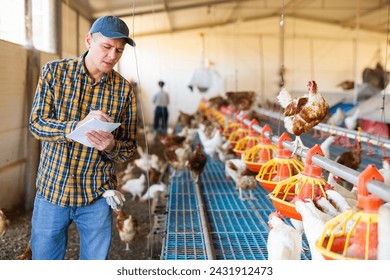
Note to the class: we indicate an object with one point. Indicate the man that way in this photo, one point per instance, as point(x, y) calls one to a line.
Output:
point(161, 100)
point(76, 183)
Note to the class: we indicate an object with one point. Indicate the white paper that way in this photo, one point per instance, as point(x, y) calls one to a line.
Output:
point(79, 134)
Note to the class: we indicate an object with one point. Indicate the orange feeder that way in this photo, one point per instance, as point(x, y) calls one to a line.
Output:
point(261, 153)
point(252, 139)
point(309, 183)
point(202, 106)
point(232, 125)
point(214, 115)
point(238, 134)
point(353, 235)
point(281, 167)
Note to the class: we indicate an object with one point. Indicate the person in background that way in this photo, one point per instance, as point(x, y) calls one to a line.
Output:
point(76, 183)
point(161, 114)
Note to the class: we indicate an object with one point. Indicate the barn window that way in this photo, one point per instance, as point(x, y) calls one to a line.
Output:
point(12, 24)
point(43, 25)
point(15, 26)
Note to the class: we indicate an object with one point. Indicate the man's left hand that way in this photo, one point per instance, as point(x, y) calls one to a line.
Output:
point(115, 199)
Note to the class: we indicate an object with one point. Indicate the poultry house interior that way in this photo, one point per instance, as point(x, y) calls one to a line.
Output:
point(276, 145)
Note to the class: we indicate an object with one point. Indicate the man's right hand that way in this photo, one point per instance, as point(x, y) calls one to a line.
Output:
point(95, 114)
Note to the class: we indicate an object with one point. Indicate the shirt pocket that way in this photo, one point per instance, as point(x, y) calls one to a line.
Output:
point(65, 100)
point(114, 106)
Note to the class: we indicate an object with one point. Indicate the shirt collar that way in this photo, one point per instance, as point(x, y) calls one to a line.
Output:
point(82, 70)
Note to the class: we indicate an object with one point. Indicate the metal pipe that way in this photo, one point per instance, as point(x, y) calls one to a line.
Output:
point(364, 137)
point(205, 224)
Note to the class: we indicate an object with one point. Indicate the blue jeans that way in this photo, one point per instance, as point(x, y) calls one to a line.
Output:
point(161, 115)
point(50, 223)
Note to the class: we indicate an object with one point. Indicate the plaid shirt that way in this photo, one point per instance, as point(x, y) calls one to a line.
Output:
point(69, 173)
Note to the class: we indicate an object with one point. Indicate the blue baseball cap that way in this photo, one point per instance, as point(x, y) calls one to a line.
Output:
point(112, 27)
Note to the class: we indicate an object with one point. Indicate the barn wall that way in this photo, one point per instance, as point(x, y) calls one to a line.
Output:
point(13, 125)
point(69, 32)
point(247, 56)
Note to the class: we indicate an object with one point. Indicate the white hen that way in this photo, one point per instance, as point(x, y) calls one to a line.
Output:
point(313, 224)
point(340, 189)
point(225, 151)
point(351, 121)
point(325, 146)
point(385, 170)
point(210, 144)
point(146, 161)
point(337, 118)
point(232, 167)
point(284, 241)
point(384, 232)
point(154, 191)
point(341, 203)
point(327, 207)
point(135, 186)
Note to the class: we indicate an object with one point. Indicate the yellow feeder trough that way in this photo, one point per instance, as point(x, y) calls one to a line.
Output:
point(232, 125)
point(214, 115)
point(238, 134)
point(353, 235)
point(203, 106)
point(261, 153)
point(252, 139)
point(309, 183)
point(281, 167)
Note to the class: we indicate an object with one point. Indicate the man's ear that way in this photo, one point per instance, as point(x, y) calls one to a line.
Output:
point(88, 40)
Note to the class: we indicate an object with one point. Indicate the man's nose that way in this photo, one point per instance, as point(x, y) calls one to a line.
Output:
point(113, 54)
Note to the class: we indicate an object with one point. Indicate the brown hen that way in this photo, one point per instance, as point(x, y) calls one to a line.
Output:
point(4, 222)
point(241, 100)
point(197, 162)
point(127, 227)
point(302, 114)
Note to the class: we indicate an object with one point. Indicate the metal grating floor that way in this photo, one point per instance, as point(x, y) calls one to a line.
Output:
point(238, 229)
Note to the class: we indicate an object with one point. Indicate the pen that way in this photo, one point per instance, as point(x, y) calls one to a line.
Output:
point(90, 107)
point(94, 109)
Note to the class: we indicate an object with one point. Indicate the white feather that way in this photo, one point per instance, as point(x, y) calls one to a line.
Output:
point(284, 98)
point(135, 186)
point(384, 232)
point(337, 118)
point(325, 146)
point(284, 241)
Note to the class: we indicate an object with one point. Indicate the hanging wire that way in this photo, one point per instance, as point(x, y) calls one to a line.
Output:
point(282, 46)
point(281, 85)
point(261, 62)
point(385, 75)
point(139, 99)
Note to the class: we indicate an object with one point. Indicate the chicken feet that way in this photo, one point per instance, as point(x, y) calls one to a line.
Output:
point(297, 143)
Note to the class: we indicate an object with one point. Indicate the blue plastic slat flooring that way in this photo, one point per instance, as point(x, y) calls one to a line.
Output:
point(238, 229)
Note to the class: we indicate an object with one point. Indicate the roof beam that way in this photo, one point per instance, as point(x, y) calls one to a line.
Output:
point(351, 22)
point(166, 8)
point(234, 11)
point(122, 13)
